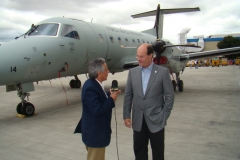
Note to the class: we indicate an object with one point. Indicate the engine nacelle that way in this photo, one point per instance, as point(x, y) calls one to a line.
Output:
point(163, 60)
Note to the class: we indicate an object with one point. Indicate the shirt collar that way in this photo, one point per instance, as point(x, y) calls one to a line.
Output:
point(99, 82)
point(148, 68)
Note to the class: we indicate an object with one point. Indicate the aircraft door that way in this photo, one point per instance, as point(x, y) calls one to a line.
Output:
point(102, 46)
point(73, 48)
point(91, 41)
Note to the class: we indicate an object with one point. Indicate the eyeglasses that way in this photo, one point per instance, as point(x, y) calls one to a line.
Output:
point(140, 57)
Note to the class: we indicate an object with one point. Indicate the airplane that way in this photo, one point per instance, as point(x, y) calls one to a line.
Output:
point(61, 47)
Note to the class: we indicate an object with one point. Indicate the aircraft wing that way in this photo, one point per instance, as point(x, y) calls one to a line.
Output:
point(212, 53)
point(195, 55)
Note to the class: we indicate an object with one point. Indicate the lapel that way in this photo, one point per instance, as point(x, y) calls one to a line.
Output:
point(99, 87)
point(151, 78)
point(139, 82)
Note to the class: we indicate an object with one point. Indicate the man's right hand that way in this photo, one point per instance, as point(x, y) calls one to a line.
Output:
point(128, 122)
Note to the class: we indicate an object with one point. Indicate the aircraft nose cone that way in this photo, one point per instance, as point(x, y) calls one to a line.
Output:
point(9, 62)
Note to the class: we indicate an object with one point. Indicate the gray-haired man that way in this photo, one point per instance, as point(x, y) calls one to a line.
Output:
point(95, 123)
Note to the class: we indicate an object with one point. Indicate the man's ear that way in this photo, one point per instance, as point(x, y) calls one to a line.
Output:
point(98, 74)
point(152, 55)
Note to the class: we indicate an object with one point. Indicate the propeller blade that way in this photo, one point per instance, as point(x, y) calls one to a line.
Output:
point(182, 45)
point(122, 46)
point(157, 20)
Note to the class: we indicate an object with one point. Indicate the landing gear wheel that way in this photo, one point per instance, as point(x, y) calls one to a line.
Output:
point(78, 84)
point(72, 83)
point(174, 85)
point(180, 85)
point(28, 109)
point(19, 108)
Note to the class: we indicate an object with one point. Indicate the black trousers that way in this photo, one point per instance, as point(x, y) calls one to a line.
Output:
point(141, 140)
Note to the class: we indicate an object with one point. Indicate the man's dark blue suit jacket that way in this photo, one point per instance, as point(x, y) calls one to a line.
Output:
point(95, 123)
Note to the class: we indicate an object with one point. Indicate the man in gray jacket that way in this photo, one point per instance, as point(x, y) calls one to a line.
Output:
point(149, 95)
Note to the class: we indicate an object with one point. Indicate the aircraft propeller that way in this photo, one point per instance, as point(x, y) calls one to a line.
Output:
point(159, 47)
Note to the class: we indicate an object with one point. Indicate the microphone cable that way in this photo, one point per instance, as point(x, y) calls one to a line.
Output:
point(114, 87)
point(116, 131)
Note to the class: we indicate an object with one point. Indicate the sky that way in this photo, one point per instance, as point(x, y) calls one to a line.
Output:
point(215, 17)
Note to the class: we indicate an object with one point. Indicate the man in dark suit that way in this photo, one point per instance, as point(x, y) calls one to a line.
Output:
point(149, 94)
point(95, 123)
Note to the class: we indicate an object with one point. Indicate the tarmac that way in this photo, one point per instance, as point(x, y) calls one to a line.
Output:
point(204, 123)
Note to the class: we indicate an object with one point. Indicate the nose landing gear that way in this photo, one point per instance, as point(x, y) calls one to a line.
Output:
point(24, 108)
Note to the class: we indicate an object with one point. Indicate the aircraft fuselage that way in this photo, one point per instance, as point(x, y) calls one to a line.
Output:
point(61, 47)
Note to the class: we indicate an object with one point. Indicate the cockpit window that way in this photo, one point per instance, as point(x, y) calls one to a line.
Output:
point(69, 31)
point(48, 29)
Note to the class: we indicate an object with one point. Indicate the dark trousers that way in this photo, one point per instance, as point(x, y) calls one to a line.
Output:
point(141, 140)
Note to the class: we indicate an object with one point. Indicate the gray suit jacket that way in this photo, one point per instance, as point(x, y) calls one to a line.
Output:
point(156, 104)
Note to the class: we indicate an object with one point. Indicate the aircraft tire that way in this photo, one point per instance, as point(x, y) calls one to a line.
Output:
point(72, 83)
point(19, 108)
point(180, 85)
point(174, 85)
point(78, 84)
point(28, 109)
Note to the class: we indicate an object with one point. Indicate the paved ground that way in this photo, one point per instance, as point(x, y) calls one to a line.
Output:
point(204, 124)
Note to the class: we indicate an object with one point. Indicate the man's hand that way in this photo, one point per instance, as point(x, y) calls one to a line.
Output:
point(114, 94)
point(128, 122)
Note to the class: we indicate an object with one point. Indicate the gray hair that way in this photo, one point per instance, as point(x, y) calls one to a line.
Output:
point(95, 66)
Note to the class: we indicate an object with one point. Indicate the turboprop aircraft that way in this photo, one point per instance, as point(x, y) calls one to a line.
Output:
point(60, 47)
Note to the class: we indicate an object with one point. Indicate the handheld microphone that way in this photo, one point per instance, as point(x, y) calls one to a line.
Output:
point(114, 86)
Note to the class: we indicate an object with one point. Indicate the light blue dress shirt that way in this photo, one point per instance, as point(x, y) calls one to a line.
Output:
point(145, 77)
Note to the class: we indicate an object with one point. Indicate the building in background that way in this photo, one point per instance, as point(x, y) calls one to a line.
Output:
point(210, 42)
point(206, 44)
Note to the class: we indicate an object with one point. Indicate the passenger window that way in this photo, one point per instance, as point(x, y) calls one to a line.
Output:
point(111, 39)
point(133, 40)
point(69, 31)
point(119, 40)
point(143, 41)
point(138, 40)
point(126, 40)
point(100, 38)
point(48, 29)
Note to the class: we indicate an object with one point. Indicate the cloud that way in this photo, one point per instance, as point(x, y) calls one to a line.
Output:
point(215, 17)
